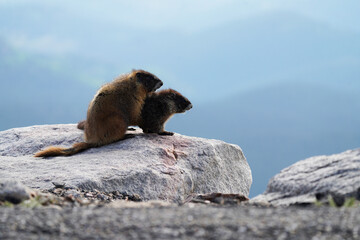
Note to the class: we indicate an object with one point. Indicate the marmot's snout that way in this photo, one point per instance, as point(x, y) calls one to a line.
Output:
point(189, 107)
point(158, 85)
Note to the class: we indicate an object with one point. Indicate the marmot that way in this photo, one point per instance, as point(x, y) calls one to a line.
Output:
point(158, 108)
point(114, 107)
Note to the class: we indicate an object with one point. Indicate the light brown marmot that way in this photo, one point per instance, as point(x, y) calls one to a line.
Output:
point(114, 107)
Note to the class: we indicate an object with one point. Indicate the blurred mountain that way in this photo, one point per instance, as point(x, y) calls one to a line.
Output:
point(243, 54)
point(39, 90)
point(278, 125)
point(281, 85)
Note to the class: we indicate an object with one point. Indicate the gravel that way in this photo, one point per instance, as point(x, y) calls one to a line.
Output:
point(191, 221)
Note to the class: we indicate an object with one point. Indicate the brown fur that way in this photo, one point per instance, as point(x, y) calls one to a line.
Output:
point(115, 106)
point(81, 125)
point(57, 151)
point(159, 107)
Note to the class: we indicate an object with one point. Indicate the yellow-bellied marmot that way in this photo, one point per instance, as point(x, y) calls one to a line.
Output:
point(159, 107)
point(115, 106)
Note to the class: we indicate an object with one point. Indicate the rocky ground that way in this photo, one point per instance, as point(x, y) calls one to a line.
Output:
point(71, 213)
point(103, 193)
point(169, 221)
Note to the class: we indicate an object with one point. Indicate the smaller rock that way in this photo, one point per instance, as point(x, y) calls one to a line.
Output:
point(14, 191)
point(89, 195)
point(59, 184)
point(102, 197)
point(135, 198)
point(58, 191)
point(314, 179)
point(217, 198)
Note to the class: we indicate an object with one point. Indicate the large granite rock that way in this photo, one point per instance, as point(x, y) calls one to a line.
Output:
point(308, 180)
point(153, 166)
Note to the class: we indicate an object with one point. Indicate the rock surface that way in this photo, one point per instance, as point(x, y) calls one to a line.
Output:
point(187, 222)
point(301, 183)
point(153, 166)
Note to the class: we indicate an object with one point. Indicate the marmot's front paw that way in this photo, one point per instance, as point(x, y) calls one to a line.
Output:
point(166, 133)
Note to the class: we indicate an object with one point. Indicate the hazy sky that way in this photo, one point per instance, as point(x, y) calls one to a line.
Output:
point(185, 16)
point(193, 44)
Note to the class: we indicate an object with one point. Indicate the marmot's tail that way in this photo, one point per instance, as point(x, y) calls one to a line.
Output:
point(57, 151)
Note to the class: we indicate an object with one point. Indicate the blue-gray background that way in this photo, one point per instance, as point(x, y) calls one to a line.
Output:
point(279, 78)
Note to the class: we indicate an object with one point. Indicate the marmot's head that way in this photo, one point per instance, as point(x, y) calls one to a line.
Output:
point(180, 103)
point(148, 80)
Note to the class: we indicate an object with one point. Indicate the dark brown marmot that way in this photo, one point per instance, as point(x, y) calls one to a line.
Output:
point(160, 107)
point(114, 107)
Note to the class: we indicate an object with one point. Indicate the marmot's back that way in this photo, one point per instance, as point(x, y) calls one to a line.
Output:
point(118, 105)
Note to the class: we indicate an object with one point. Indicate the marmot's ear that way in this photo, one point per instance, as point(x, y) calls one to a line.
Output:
point(138, 76)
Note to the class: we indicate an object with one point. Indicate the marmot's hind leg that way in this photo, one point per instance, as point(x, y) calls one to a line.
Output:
point(81, 125)
point(109, 130)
